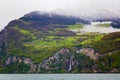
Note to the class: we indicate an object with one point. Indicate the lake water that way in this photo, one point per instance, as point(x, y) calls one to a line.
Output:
point(59, 76)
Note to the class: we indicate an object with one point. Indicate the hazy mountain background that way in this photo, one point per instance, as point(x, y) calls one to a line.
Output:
point(86, 9)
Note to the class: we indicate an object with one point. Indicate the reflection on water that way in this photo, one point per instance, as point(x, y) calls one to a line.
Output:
point(59, 76)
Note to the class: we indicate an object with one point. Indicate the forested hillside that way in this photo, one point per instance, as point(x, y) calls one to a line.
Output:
point(45, 43)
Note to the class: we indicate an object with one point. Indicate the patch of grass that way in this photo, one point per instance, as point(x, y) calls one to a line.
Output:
point(99, 37)
point(75, 26)
point(38, 50)
point(25, 32)
point(104, 25)
point(92, 38)
point(51, 41)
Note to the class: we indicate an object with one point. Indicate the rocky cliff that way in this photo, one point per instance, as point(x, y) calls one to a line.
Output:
point(89, 52)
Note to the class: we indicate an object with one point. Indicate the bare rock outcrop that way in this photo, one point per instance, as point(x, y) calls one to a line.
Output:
point(15, 59)
point(63, 59)
point(89, 52)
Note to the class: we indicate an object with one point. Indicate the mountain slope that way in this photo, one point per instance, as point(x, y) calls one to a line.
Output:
point(43, 43)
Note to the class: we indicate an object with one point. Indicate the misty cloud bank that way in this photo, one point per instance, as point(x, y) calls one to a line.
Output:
point(13, 9)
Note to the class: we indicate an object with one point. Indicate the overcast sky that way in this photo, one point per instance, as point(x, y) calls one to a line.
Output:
point(13, 9)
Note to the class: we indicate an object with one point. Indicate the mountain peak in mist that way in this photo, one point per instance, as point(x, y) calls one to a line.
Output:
point(36, 13)
point(90, 14)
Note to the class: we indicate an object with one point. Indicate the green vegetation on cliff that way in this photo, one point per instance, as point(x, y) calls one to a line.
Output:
point(108, 43)
point(104, 25)
point(45, 39)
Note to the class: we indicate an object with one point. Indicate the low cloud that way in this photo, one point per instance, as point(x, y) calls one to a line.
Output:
point(12, 9)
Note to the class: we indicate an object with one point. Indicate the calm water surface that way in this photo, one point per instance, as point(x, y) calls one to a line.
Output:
point(59, 76)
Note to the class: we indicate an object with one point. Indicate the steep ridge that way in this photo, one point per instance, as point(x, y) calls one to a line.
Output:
point(42, 43)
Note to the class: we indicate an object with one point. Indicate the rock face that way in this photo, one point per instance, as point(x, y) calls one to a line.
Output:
point(62, 59)
point(14, 59)
point(114, 70)
point(89, 52)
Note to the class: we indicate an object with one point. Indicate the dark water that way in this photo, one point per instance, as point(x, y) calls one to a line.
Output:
point(59, 76)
